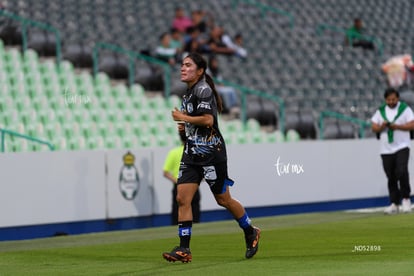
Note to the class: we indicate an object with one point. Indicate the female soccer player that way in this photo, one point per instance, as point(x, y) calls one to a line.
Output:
point(204, 156)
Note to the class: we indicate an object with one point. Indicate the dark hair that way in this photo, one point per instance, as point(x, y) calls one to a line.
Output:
point(161, 37)
point(182, 136)
point(201, 63)
point(214, 70)
point(390, 91)
point(238, 35)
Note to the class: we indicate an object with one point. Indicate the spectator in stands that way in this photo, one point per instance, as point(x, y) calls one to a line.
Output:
point(181, 22)
point(236, 44)
point(202, 20)
point(393, 121)
point(170, 171)
point(164, 51)
point(398, 70)
point(355, 36)
point(194, 42)
point(9, 32)
point(216, 44)
point(177, 42)
point(229, 94)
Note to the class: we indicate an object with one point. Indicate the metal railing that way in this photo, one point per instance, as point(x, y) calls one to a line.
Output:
point(248, 91)
point(264, 9)
point(132, 56)
point(27, 22)
point(3, 133)
point(321, 28)
point(362, 124)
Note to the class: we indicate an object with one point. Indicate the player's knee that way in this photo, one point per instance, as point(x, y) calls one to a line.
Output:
point(179, 200)
point(224, 202)
point(182, 200)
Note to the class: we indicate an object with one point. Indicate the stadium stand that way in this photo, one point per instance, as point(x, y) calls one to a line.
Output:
point(311, 70)
point(74, 112)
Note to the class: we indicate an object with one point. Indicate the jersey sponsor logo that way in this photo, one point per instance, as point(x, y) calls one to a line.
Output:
point(204, 105)
point(200, 145)
point(190, 108)
point(210, 173)
point(204, 141)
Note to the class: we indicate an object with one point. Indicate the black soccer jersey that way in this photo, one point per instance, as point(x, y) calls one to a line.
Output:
point(204, 145)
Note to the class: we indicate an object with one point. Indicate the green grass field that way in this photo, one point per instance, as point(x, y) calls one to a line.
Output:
point(333, 243)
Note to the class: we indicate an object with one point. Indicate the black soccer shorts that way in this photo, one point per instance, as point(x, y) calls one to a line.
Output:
point(215, 175)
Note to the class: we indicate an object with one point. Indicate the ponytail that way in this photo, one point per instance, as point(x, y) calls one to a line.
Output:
point(219, 101)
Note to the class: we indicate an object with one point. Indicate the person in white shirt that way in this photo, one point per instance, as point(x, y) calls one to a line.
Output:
point(393, 122)
point(164, 51)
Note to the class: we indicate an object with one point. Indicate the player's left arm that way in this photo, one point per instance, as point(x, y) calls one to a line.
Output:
point(200, 120)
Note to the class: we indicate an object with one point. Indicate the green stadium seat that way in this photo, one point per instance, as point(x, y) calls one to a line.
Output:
point(102, 89)
point(128, 114)
point(275, 137)
point(144, 140)
point(170, 128)
point(102, 79)
point(253, 125)
point(31, 58)
point(106, 129)
point(95, 142)
point(137, 129)
point(174, 101)
point(119, 91)
point(94, 114)
point(60, 143)
point(81, 142)
point(127, 142)
point(21, 128)
point(163, 140)
point(233, 126)
point(12, 58)
point(241, 138)
point(257, 137)
point(73, 143)
point(292, 135)
point(54, 130)
point(32, 78)
point(89, 129)
point(23, 145)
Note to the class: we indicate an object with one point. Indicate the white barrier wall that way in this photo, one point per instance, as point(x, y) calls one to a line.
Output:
point(51, 187)
point(307, 171)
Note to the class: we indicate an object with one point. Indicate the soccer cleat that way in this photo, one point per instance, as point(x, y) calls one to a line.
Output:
point(406, 205)
point(252, 243)
point(178, 254)
point(392, 209)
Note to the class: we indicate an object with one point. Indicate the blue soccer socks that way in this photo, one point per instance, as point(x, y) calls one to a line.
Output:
point(245, 224)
